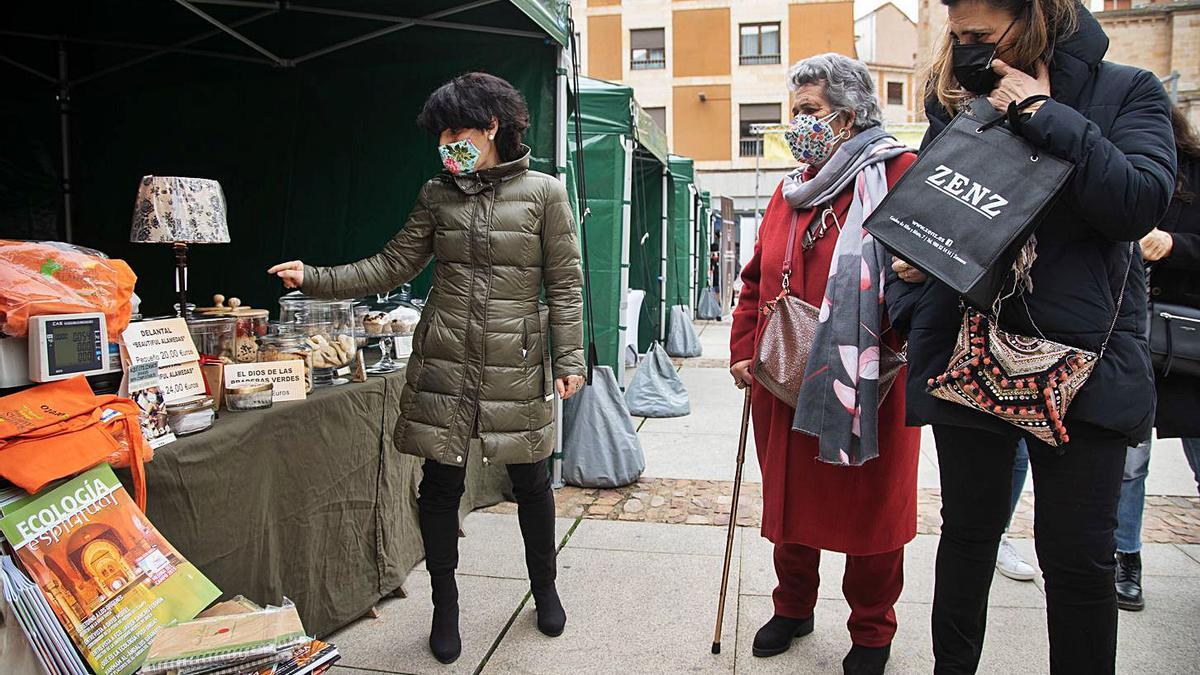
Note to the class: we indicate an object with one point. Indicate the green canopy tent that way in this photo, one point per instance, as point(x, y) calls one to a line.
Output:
point(704, 236)
point(625, 155)
point(681, 242)
point(304, 111)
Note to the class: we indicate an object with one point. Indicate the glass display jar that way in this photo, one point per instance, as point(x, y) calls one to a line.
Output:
point(288, 346)
point(215, 337)
point(328, 327)
point(252, 325)
point(191, 416)
point(249, 397)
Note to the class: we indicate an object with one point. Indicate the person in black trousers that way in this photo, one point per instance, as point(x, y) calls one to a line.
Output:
point(1113, 124)
point(1172, 251)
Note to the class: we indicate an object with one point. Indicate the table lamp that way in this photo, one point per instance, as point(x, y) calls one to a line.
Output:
point(179, 211)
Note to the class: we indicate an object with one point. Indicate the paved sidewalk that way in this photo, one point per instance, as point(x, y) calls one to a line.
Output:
point(639, 570)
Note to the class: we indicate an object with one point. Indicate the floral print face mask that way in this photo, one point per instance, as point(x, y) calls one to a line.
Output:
point(460, 156)
point(812, 139)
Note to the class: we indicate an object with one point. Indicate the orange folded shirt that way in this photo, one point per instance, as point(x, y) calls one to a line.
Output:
point(59, 429)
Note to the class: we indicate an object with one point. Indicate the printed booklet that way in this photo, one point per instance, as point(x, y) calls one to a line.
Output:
point(111, 579)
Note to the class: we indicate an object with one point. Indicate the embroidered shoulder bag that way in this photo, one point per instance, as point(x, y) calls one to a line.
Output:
point(1028, 382)
point(787, 340)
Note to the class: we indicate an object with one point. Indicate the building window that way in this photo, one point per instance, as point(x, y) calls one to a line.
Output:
point(647, 50)
point(751, 145)
point(659, 115)
point(760, 44)
point(895, 93)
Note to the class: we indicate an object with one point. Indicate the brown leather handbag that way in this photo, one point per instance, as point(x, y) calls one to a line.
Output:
point(787, 340)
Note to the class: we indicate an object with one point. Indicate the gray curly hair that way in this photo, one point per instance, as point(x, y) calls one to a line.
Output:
point(848, 86)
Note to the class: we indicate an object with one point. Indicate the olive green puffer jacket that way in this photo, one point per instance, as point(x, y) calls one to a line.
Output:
point(480, 375)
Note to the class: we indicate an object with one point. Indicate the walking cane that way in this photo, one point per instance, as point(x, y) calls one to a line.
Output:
point(733, 510)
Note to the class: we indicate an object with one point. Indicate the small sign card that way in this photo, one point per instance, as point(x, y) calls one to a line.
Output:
point(287, 376)
point(181, 382)
point(166, 342)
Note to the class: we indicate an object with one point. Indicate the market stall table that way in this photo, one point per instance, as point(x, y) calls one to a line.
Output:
point(308, 500)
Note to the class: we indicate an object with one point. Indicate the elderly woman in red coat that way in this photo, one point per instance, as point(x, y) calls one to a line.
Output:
point(845, 479)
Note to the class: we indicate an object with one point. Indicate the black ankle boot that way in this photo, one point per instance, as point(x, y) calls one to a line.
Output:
point(444, 640)
point(775, 637)
point(551, 617)
point(1129, 582)
point(866, 660)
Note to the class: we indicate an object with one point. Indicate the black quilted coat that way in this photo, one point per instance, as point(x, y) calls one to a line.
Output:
point(1113, 122)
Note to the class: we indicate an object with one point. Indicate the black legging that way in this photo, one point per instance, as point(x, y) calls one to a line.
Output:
point(439, 495)
point(1076, 489)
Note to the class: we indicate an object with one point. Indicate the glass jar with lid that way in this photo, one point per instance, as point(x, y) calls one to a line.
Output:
point(288, 346)
point(215, 337)
point(191, 416)
point(328, 326)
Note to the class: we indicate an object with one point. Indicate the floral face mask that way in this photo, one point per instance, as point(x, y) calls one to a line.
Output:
point(460, 156)
point(812, 139)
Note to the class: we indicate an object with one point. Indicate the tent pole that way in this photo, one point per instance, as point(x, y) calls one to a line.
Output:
point(233, 33)
point(692, 248)
point(662, 279)
point(400, 23)
point(626, 226)
point(21, 66)
point(131, 45)
point(64, 130)
point(560, 116)
point(168, 49)
point(560, 163)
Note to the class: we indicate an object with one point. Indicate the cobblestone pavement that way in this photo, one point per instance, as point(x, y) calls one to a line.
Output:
point(1168, 520)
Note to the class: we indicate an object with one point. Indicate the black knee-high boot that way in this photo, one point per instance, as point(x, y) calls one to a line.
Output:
point(535, 513)
point(439, 494)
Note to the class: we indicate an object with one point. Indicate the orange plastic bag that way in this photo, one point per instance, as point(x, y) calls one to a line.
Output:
point(46, 277)
point(59, 429)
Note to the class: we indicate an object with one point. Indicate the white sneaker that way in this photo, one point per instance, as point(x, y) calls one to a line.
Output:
point(1011, 564)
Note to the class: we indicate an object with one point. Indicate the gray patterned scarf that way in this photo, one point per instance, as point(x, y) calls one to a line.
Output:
point(839, 400)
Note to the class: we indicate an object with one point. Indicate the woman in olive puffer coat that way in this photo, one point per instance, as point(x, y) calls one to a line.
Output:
point(488, 356)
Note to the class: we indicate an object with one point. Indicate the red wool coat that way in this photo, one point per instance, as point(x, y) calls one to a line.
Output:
point(861, 510)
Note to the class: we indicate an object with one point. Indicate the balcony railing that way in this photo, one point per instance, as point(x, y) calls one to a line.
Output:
point(759, 59)
point(750, 147)
point(648, 64)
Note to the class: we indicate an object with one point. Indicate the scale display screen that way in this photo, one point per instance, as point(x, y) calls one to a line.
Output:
point(65, 345)
point(74, 346)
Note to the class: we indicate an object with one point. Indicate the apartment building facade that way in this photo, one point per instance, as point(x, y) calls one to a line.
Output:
point(707, 70)
point(886, 40)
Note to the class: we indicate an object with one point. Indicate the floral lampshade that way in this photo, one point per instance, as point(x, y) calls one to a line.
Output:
point(172, 209)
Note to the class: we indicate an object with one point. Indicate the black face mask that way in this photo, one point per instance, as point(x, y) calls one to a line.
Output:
point(973, 64)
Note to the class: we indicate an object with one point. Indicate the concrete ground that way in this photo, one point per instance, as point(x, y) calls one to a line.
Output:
point(641, 596)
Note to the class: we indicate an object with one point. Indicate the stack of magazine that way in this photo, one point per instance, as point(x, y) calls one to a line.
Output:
point(239, 638)
point(91, 580)
point(97, 590)
point(50, 642)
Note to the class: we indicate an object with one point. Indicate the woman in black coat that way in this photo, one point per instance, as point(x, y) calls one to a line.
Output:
point(1113, 123)
point(1172, 251)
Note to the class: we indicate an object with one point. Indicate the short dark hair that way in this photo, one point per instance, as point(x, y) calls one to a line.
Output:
point(470, 101)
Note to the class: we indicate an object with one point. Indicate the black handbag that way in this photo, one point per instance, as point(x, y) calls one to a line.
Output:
point(1175, 339)
point(963, 211)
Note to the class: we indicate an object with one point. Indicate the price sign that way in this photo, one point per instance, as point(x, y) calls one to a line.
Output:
point(181, 381)
point(286, 376)
point(403, 346)
point(166, 342)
